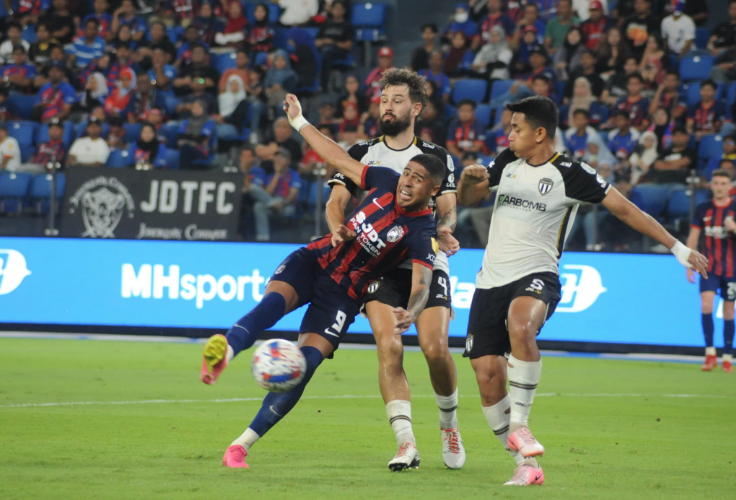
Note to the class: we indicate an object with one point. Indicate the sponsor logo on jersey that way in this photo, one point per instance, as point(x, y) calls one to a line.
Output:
point(566, 164)
point(545, 185)
point(13, 270)
point(280, 269)
point(428, 145)
point(430, 257)
point(450, 164)
point(373, 163)
point(581, 286)
point(513, 201)
point(395, 234)
point(367, 236)
point(511, 176)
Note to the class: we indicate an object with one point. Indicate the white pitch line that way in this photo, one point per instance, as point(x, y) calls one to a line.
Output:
point(344, 396)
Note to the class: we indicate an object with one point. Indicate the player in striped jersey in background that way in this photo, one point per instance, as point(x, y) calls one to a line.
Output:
point(715, 218)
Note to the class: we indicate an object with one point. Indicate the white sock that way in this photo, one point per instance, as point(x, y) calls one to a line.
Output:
point(728, 357)
point(710, 351)
point(230, 354)
point(498, 417)
point(523, 379)
point(247, 439)
point(399, 416)
point(448, 410)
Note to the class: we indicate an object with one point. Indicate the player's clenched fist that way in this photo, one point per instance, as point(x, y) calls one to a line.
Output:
point(474, 174)
point(341, 235)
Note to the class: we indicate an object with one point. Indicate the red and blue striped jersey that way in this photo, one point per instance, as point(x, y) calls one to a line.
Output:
point(719, 243)
point(387, 235)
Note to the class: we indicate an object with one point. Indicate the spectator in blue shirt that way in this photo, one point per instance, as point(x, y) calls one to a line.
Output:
point(126, 16)
point(465, 135)
point(88, 48)
point(19, 76)
point(197, 138)
point(530, 19)
point(461, 22)
point(103, 18)
point(623, 139)
point(282, 188)
point(436, 74)
point(191, 40)
point(255, 177)
point(147, 152)
point(161, 73)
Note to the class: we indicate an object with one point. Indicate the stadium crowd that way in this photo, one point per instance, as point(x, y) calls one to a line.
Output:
point(643, 90)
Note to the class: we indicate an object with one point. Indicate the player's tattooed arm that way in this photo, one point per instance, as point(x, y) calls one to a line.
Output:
point(447, 210)
point(421, 280)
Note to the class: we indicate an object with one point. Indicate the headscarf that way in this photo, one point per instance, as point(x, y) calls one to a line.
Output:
point(195, 124)
point(571, 49)
point(648, 155)
point(581, 102)
point(120, 96)
point(228, 100)
point(266, 20)
point(121, 90)
point(274, 76)
point(237, 24)
point(151, 147)
point(492, 51)
point(101, 89)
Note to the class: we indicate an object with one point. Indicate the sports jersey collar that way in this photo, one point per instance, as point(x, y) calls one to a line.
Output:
point(553, 158)
point(728, 202)
point(412, 143)
point(403, 212)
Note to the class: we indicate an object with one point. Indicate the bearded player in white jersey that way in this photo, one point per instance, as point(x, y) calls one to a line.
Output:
point(403, 96)
point(518, 287)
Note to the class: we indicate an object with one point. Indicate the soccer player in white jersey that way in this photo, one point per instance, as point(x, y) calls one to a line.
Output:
point(518, 287)
point(403, 96)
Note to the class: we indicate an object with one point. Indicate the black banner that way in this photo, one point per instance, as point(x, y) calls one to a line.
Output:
point(151, 204)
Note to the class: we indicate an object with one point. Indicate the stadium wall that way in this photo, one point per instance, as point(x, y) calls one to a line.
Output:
point(610, 302)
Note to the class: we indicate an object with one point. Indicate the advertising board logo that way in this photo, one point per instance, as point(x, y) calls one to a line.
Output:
point(13, 270)
point(103, 201)
point(581, 287)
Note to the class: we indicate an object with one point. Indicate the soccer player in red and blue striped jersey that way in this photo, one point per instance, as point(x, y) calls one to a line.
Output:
point(715, 218)
point(392, 224)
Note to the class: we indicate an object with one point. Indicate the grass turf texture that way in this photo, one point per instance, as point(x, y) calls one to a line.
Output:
point(647, 446)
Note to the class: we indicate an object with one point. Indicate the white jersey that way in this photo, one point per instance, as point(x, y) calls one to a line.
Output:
point(376, 153)
point(534, 212)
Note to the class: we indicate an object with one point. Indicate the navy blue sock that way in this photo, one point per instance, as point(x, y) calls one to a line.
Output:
point(245, 332)
point(728, 329)
point(277, 404)
point(708, 329)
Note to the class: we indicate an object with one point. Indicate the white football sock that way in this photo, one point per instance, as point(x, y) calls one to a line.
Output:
point(710, 351)
point(523, 379)
point(448, 410)
point(247, 439)
point(498, 417)
point(399, 416)
point(230, 354)
point(728, 357)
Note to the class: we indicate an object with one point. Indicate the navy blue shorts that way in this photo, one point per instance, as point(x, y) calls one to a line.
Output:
point(331, 310)
point(727, 286)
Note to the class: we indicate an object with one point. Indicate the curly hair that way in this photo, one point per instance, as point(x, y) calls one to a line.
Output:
point(417, 84)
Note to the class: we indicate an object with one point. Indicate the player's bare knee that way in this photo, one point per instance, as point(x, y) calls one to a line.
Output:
point(390, 349)
point(523, 331)
point(435, 352)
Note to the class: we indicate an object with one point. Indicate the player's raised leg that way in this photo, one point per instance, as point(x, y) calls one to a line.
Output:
point(432, 328)
point(525, 318)
point(728, 334)
point(276, 406)
point(393, 384)
point(706, 309)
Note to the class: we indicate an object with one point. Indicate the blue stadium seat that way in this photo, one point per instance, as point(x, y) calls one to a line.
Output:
point(497, 115)
point(171, 132)
point(450, 112)
point(171, 103)
point(13, 189)
point(24, 132)
point(702, 35)
point(483, 115)
point(132, 131)
point(312, 199)
point(174, 33)
point(692, 92)
point(710, 166)
point(41, 192)
point(29, 34)
point(696, 67)
point(652, 199)
point(500, 87)
point(225, 62)
point(42, 134)
point(710, 146)
point(119, 158)
point(27, 152)
point(679, 203)
point(368, 15)
point(474, 90)
point(21, 105)
point(261, 58)
point(173, 157)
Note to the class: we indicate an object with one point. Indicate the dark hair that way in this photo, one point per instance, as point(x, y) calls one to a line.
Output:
point(710, 83)
point(248, 147)
point(46, 25)
point(434, 29)
point(635, 75)
point(199, 45)
point(468, 102)
point(417, 84)
point(583, 112)
point(13, 24)
point(244, 51)
point(721, 172)
point(590, 53)
point(544, 78)
point(674, 71)
point(434, 166)
point(622, 112)
point(18, 48)
point(539, 112)
point(679, 129)
point(92, 20)
point(160, 23)
point(123, 45)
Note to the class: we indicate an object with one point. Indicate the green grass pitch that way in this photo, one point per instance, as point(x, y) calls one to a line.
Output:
point(612, 429)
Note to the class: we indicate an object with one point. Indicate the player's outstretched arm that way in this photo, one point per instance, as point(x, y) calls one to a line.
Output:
point(325, 147)
point(622, 208)
point(473, 184)
point(421, 279)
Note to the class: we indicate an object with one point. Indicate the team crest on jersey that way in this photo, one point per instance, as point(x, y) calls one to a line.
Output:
point(469, 343)
point(280, 269)
point(545, 185)
point(395, 234)
point(373, 287)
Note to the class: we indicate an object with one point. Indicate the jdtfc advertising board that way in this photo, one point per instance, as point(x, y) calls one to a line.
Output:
point(156, 204)
point(631, 299)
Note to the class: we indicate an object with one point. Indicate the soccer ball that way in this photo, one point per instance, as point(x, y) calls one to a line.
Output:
point(278, 365)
